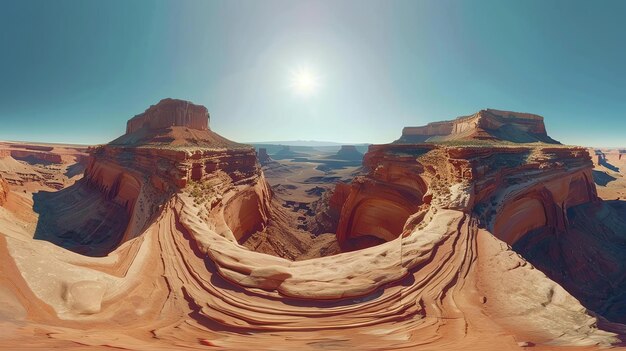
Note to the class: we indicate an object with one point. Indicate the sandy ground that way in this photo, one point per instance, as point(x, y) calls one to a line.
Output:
point(302, 181)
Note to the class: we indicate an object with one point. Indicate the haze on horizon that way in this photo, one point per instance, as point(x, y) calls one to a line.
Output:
point(351, 71)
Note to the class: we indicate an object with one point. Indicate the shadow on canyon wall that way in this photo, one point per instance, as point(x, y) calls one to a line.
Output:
point(34, 161)
point(588, 258)
point(601, 178)
point(74, 170)
point(79, 219)
point(604, 163)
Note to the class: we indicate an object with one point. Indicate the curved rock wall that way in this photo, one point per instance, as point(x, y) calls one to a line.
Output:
point(517, 190)
point(142, 179)
point(378, 205)
point(125, 188)
point(248, 210)
point(518, 218)
point(544, 204)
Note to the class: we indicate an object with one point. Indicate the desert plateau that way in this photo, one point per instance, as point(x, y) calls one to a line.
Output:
point(161, 189)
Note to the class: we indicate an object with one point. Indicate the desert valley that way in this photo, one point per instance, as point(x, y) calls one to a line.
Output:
point(481, 232)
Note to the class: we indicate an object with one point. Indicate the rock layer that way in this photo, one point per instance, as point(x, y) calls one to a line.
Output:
point(442, 276)
point(168, 113)
point(4, 191)
point(41, 167)
point(484, 125)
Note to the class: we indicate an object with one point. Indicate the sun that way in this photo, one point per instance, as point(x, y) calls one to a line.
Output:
point(304, 81)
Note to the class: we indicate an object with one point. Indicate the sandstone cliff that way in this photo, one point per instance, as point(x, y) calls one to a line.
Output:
point(489, 125)
point(142, 169)
point(173, 124)
point(168, 113)
point(36, 156)
point(4, 191)
point(434, 268)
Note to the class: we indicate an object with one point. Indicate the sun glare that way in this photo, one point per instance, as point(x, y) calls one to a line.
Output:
point(304, 81)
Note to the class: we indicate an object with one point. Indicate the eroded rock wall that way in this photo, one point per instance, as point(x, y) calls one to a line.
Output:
point(142, 179)
point(4, 191)
point(47, 157)
point(486, 124)
point(520, 189)
point(170, 112)
point(377, 205)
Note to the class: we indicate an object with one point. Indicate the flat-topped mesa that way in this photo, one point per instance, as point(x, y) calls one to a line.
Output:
point(489, 124)
point(170, 112)
point(348, 152)
point(166, 148)
point(172, 144)
point(173, 124)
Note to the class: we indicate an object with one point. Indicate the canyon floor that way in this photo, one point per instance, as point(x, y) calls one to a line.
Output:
point(175, 238)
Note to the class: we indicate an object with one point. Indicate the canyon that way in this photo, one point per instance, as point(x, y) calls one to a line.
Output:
point(481, 233)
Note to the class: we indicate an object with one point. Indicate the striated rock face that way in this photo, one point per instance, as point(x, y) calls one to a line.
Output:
point(140, 174)
point(168, 113)
point(380, 203)
point(403, 180)
point(484, 125)
point(139, 179)
point(171, 169)
point(35, 156)
point(435, 270)
point(4, 191)
point(516, 190)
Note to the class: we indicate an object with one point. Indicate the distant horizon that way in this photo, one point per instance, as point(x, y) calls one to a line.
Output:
point(74, 71)
point(330, 143)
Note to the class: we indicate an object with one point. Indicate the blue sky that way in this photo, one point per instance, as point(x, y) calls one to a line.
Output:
point(75, 71)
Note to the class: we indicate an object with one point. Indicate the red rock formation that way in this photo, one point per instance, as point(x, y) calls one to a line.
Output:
point(484, 125)
point(4, 191)
point(35, 156)
point(379, 204)
point(168, 113)
point(140, 170)
point(429, 130)
point(442, 276)
point(33, 147)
